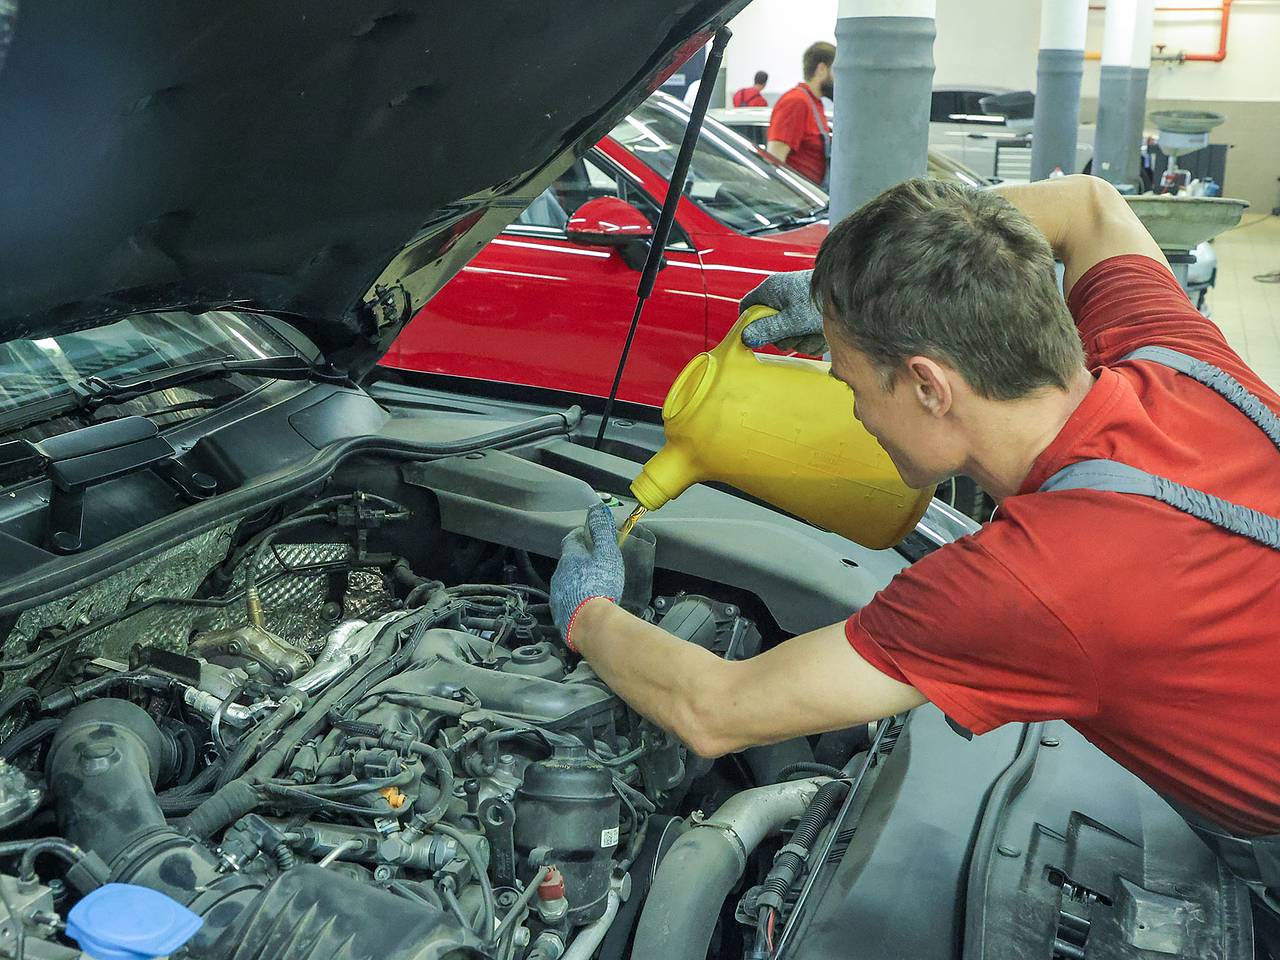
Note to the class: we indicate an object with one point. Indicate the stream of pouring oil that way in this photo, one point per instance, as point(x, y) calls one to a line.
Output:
point(629, 524)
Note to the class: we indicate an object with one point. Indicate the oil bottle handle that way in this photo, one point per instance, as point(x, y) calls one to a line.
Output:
point(731, 348)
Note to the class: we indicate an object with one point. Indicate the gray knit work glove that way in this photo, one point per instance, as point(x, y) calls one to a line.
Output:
point(590, 566)
point(797, 326)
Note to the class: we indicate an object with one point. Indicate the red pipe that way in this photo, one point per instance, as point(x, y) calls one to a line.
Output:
point(1218, 57)
point(1222, 40)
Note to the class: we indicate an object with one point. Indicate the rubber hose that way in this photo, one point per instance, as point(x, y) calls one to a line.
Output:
point(685, 914)
point(264, 547)
point(697, 875)
point(11, 848)
point(181, 806)
point(184, 798)
point(102, 768)
point(661, 833)
point(811, 768)
point(198, 785)
point(444, 782)
point(57, 846)
point(26, 738)
point(357, 728)
point(402, 573)
point(224, 807)
point(16, 698)
point(774, 762)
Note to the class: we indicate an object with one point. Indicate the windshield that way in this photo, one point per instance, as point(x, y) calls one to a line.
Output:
point(944, 168)
point(33, 370)
point(728, 177)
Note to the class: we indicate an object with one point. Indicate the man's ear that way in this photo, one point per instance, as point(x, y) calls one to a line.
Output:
point(930, 382)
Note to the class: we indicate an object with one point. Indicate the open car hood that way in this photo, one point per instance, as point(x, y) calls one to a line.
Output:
point(334, 163)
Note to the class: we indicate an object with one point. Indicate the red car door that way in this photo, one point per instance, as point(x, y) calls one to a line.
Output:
point(537, 309)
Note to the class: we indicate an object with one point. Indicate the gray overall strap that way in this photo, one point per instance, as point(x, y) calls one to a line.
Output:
point(1217, 380)
point(1111, 476)
point(820, 119)
point(1255, 860)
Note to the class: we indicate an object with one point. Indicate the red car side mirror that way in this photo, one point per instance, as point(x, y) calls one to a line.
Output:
point(611, 222)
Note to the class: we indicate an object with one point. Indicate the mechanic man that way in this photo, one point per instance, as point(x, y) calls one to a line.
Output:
point(1150, 626)
point(753, 96)
point(799, 135)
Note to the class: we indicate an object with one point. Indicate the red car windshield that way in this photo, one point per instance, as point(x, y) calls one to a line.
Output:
point(729, 178)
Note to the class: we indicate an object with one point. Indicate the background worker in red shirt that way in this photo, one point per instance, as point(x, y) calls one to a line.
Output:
point(799, 135)
point(1145, 618)
point(753, 96)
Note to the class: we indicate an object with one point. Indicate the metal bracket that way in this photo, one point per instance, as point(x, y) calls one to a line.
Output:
point(498, 819)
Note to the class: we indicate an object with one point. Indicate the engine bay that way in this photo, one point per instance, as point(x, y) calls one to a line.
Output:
point(334, 729)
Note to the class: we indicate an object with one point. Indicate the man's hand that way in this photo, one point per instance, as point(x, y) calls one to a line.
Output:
point(797, 326)
point(590, 567)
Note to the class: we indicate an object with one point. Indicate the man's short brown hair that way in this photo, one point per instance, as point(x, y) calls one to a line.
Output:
point(820, 52)
point(938, 269)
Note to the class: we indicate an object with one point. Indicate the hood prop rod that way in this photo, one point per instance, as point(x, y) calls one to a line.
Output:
point(675, 187)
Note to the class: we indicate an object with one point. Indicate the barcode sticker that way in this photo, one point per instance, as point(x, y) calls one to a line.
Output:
point(609, 838)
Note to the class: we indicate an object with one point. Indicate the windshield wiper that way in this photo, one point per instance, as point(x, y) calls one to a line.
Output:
point(93, 392)
point(788, 223)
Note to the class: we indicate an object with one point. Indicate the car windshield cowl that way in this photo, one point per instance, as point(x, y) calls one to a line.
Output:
point(136, 356)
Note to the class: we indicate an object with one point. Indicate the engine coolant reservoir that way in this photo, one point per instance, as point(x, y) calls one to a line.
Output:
point(780, 429)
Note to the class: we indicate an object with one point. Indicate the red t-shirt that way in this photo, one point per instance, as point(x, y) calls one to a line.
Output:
point(749, 97)
point(1155, 634)
point(794, 123)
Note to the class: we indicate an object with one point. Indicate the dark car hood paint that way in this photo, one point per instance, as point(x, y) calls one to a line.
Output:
point(289, 157)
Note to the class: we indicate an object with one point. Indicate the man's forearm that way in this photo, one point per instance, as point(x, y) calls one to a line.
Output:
point(1085, 221)
point(809, 684)
point(1050, 204)
point(661, 676)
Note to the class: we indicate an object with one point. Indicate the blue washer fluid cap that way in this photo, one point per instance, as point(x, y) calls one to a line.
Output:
point(122, 921)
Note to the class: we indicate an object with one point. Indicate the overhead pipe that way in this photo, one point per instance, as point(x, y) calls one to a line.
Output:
point(1183, 57)
point(1222, 40)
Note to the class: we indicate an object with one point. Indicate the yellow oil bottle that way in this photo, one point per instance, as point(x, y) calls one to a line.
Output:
point(781, 429)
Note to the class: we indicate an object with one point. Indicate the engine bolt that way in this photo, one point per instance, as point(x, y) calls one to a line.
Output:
point(1007, 851)
point(1049, 741)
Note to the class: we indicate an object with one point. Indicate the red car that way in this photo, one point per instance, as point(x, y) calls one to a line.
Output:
point(548, 302)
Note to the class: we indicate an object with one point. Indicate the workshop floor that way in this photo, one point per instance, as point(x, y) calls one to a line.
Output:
point(1249, 311)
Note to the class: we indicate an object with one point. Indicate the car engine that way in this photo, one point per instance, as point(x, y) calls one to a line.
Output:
point(334, 731)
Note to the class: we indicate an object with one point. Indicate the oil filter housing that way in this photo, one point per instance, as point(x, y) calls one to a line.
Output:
point(567, 805)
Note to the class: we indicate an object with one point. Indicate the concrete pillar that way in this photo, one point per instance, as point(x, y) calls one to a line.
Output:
point(1122, 92)
point(1060, 67)
point(883, 81)
point(1139, 69)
